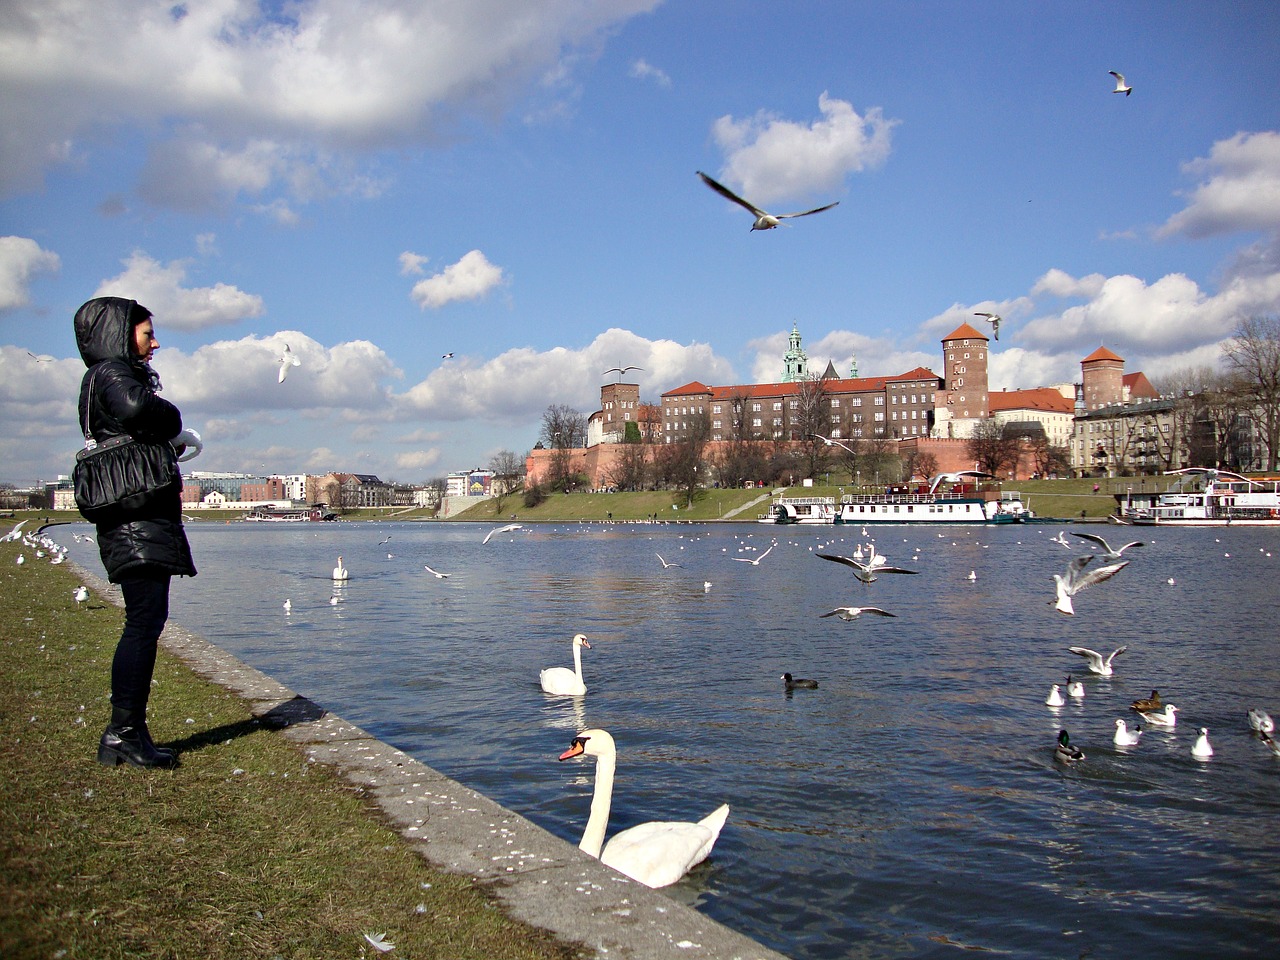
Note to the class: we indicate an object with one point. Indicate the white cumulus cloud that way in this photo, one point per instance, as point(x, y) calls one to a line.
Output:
point(159, 288)
point(20, 259)
point(642, 69)
point(255, 93)
point(469, 279)
point(772, 158)
point(1241, 190)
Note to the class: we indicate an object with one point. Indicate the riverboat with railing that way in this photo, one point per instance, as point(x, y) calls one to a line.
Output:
point(967, 496)
point(1204, 497)
point(264, 514)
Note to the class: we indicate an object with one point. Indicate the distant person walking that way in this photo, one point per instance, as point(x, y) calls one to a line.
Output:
point(142, 548)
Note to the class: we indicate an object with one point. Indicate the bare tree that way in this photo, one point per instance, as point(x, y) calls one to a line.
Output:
point(680, 462)
point(630, 470)
point(1253, 353)
point(508, 472)
point(563, 427)
point(992, 446)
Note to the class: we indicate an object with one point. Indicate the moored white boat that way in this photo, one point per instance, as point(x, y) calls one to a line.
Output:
point(1204, 497)
point(961, 497)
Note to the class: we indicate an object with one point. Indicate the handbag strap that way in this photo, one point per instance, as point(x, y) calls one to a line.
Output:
point(89, 441)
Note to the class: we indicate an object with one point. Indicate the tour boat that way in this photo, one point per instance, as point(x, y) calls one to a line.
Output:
point(1204, 497)
point(960, 497)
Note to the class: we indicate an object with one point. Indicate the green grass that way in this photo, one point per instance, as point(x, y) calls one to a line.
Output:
point(562, 507)
point(1060, 499)
point(247, 850)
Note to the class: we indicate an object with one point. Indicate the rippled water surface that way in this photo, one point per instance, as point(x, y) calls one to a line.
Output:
point(908, 807)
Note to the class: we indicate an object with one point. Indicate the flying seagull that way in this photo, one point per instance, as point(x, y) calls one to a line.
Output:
point(666, 563)
point(852, 613)
point(1109, 553)
point(866, 572)
point(620, 371)
point(497, 530)
point(764, 221)
point(1097, 662)
point(1121, 86)
point(754, 561)
point(435, 573)
point(994, 319)
point(287, 360)
point(43, 358)
point(446, 356)
point(1076, 579)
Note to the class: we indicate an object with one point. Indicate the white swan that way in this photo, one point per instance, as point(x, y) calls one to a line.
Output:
point(339, 572)
point(561, 680)
point(657, 853)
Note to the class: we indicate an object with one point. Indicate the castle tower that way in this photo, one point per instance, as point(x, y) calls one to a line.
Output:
point(619, 403)
point(1102, 374)
point(964, 362)
point(853, 367)
point(795, 364)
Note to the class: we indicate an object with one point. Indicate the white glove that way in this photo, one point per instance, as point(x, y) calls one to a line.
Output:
point(188, 445)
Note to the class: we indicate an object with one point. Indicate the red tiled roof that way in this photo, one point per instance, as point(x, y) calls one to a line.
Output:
point(965, 332)
point(1139, 385)
point(919, 373)
point(1102, 353)
point(1037, 398)
point(688, 389)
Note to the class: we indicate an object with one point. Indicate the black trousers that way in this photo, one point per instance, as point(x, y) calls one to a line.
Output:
point(146, 608)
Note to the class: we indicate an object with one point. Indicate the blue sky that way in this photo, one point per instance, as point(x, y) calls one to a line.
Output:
point(513, 182)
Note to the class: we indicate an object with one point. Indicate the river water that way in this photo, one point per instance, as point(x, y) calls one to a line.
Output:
point(910, 806)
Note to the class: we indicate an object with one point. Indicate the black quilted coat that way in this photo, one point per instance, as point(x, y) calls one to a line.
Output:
point(150, 540)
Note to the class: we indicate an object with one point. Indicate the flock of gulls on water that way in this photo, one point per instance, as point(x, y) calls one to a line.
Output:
point(1151, 710)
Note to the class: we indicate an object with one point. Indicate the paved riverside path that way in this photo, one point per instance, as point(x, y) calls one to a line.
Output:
point(538, 877)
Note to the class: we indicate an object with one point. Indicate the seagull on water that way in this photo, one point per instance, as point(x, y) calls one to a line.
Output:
point(1076, 579)
point(1109, 553)
point(993, 319)
point(1202, 748)
point(1124, 736)
point(1121, 86)
point(1097, 663)
point(866, 572)
point(1075, 688)
point(1054, 699)
point(1165, 718)
point(1260, 721)
point(287, 360)
point(853, 613)
point(288, 605)
point(509, 527)
point(764, 221)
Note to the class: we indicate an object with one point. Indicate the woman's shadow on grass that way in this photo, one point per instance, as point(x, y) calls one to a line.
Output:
point(287, 714)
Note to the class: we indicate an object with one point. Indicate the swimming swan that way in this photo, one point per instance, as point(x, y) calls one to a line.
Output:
point(339, 572)
point(657, 853)
point(561, 680)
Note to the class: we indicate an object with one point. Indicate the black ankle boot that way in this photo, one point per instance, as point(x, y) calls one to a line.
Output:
point(132, 744)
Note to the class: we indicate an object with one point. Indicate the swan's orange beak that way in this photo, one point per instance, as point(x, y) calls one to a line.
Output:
point(575, 748)
point(585, 644)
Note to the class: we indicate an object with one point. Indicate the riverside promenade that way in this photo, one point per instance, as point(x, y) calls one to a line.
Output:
point(538, 878)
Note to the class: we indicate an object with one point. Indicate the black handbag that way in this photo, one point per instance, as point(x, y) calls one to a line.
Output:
point(120, 476)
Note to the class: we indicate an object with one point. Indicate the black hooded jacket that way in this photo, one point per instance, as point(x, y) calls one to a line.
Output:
point(124, 401)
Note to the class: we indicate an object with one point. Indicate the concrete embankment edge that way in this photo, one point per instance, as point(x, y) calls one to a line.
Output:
point(539, 878)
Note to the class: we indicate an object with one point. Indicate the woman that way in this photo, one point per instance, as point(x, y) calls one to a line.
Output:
point(141, 548)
